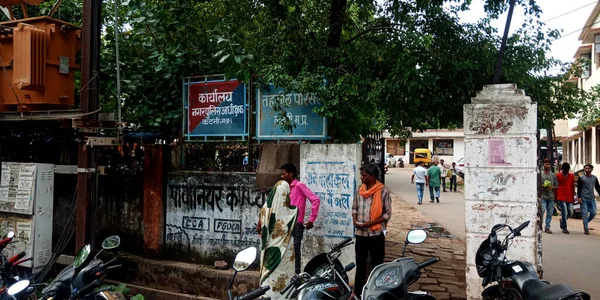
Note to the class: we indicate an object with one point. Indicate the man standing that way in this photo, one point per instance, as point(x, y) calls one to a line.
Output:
point(453, 177)
point(549, 184)
point(443, 174)
point(371, 210)
point(298, 194)
point(434, 179)
point(421, 179)
point(565, 195)
point(585, 196)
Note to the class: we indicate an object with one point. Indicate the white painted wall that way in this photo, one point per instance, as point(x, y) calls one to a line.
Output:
point(500, 192)
point(332, 172)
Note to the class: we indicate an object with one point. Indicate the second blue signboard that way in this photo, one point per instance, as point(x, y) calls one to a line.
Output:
point(299, 109)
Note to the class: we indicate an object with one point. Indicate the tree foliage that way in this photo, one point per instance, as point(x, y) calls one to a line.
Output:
point(397, 64)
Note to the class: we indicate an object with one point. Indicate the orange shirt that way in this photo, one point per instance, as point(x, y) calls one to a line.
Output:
point(565, 187)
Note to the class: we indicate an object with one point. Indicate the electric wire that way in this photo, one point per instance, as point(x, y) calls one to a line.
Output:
point(564, 14)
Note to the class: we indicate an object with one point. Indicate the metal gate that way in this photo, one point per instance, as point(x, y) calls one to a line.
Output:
point(373, 151)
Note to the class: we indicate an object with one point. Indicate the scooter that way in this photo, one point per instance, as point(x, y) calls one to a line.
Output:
point(515, 279)
point(324, 277)
point(391, 280)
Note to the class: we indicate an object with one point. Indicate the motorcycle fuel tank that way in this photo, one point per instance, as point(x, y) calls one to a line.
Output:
point(318, 288)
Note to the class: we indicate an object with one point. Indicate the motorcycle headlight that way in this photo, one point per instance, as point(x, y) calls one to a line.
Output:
point(387, 277)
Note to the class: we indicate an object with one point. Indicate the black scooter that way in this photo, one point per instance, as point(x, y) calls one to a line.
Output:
point(324, 277)
point(515, 279)
point(391, 280)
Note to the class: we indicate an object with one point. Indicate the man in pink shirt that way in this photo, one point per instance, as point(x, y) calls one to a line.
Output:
point(298, 194)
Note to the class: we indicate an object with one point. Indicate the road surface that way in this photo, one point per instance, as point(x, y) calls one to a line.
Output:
point(571, 259)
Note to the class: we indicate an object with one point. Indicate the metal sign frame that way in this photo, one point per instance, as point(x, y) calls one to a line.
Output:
point(187, 82)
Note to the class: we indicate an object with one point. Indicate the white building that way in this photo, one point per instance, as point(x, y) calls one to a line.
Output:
point(445, 144)
point(582, 145)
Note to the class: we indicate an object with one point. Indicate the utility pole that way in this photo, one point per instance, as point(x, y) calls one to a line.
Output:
point(90, 67)
point(503, 45)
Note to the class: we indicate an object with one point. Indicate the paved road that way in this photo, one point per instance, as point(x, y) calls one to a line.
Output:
point(572, 259)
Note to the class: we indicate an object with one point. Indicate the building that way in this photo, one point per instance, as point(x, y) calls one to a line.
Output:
point(445, 144)
point(582, 145)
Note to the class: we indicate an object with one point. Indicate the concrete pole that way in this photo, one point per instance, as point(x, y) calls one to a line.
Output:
point(500, 159)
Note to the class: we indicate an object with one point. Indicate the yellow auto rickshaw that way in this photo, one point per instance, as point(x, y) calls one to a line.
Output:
point(423, 155)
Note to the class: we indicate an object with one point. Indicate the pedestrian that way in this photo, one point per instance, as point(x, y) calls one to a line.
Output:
point(298, 195)
point(454, 173)
point(419, 177)
point(549, 184)
point(371, 210)
point(443, 174)
point(565, 195)
point(245, 162)
point(585, 196)
point(276, 249)
point(434, 178)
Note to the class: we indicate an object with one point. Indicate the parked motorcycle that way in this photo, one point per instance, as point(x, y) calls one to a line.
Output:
point(324, 277)
point(243, 260)
point(77, 281)
point(391, 280)
point(515, 279)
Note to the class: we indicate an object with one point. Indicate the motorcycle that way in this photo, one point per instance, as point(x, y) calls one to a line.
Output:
point(391, 280)
point(515, 279)
point(243, 260)
point(77, 281)
point(323, 277)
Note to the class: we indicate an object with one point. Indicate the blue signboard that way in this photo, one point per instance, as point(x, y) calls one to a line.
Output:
point(299, 109)
point(215, 108)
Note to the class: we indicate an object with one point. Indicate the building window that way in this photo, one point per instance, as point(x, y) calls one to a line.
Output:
point(443, 147)
point(588, 147)
point(394, 147)
point(586, 71)
point(576, 150)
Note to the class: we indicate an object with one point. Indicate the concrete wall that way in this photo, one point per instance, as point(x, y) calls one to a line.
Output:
point(332, 172)
point(500, 167)
point(211, 216)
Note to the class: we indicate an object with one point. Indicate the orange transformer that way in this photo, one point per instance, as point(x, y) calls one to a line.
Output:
point(37, 63)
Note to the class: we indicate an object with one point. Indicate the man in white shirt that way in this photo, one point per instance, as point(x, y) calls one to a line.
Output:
point(443, 170)
point(419, 177)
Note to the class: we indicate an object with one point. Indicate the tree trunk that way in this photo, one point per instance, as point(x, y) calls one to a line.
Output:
point(336, 22)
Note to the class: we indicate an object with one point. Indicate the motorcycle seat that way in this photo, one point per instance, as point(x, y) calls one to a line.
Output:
point(536, 289)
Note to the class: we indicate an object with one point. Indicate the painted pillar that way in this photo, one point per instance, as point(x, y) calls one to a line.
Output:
point(593, 146)
point(430, 145)
point(154, 203)
point(500, 162)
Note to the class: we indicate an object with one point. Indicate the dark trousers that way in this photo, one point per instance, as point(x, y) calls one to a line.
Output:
point(444, 183)
point(375, 245)
point(453, 182)
point(298, 234)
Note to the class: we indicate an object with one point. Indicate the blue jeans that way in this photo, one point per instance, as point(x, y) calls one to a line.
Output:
point(437, 192)
point(420, 188)
point(566, 211)
point(588, 212)
point(548, 208)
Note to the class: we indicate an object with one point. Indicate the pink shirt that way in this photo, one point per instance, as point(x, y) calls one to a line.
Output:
point(298, 194)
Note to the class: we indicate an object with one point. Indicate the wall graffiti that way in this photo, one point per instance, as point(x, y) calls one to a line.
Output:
point(212, 214)
point(334, 183)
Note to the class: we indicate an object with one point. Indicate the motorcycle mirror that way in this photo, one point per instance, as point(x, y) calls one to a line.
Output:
point(244, 259)
point(111, 242)
point(9, 235)
point(416, 236)
point(18, 287)
point(81, 256)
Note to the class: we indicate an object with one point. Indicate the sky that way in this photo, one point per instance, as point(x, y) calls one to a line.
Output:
point(556, 14)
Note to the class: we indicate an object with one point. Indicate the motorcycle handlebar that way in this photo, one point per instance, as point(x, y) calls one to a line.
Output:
point(86, 289)
point(343, 244)
point(289, 285)
point(428, 262)
point(254, 294)
point(517, 230)
point(16, 258)
point(5, 241)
